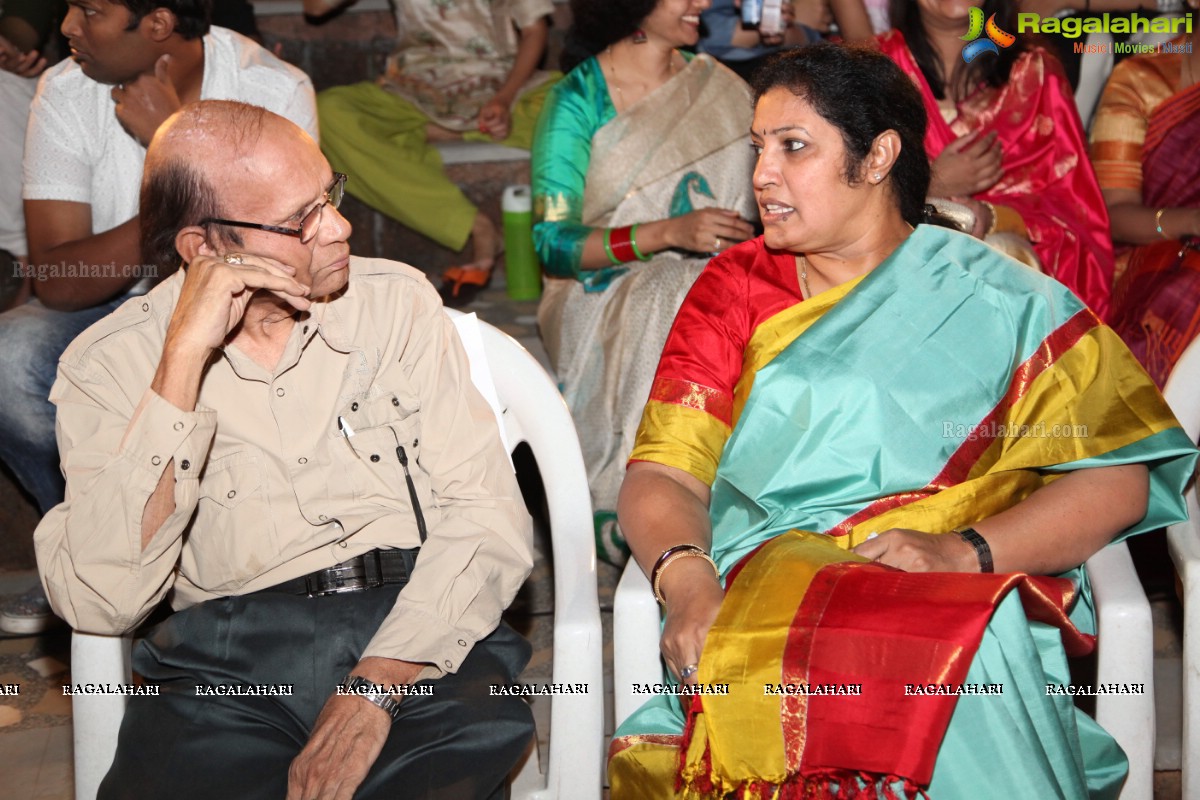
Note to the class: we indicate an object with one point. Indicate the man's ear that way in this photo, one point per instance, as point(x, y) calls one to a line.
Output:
point(192, 241)
point(159, 24)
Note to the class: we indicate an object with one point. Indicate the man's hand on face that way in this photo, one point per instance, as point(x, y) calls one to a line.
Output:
point(216, 292)
point(145, 103)
point(347, 737)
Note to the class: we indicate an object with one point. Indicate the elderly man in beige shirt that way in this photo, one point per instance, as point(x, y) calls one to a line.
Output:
point(285, 442)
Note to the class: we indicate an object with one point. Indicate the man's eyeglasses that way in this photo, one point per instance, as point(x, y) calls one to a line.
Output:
point(309, 225)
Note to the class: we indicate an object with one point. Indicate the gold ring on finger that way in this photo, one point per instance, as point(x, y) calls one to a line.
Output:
point(234, 258)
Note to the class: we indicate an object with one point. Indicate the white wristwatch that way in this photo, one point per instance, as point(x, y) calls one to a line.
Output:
point(371, 692)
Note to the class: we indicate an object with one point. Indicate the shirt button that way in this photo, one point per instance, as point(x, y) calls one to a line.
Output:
point(145, 306)
point(231, 494)
point(322, 518)
point(395, 402)
point(448, 664)
point(374, 457)
point(415, 442)
point(343, 543)
point(279, 392)
point(185, 464)
point(301, 460)
point(305, 329)
point(354, 406)
point(178, 426)
point(155, 461)
point(462, 642)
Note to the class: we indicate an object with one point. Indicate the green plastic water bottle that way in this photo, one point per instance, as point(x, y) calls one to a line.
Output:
point(524, 274)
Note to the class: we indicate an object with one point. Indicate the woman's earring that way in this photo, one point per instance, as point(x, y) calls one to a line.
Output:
point(878, 177)
point(639, 36)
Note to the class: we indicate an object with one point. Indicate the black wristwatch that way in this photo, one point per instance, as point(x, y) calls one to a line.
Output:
point(371, 692)
point(982, 551)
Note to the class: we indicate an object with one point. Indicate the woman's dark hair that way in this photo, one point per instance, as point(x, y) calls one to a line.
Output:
point(598, 23)
point(992, 69)
point(191, 16)
point(862, 93)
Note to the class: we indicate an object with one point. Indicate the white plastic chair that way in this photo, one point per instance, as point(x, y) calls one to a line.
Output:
point(1126, 655)
point(1183, 542)
point(531, 410)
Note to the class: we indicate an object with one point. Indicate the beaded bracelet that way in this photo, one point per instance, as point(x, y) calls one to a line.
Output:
point(1158, 223)
point(672, 554)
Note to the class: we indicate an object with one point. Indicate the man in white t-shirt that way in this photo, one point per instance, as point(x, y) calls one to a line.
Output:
point(134, 62)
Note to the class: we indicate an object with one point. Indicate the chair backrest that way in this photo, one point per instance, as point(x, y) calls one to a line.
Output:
point(531, 410)
point(1183, 390)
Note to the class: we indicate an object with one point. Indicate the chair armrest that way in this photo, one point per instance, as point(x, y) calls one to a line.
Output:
point(97, 717)
point(1125, 654)
point(636, 629)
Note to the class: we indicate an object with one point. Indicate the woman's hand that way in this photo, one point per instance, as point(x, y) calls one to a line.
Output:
point(495, 119)
point(914, 551)
point(968, 165)
point(708, 230)
point(693, 598)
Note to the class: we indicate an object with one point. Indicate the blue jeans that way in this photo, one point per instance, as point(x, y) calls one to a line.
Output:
point(32, 338)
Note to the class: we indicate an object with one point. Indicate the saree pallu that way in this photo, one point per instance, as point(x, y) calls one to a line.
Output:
point(1157, 299)
point(947, 385)
point(1047, 177)
point(681, 148)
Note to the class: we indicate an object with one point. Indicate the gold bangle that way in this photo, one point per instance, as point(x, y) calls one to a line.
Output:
point(992, 225)
point(676, 557)
point(1158, 223)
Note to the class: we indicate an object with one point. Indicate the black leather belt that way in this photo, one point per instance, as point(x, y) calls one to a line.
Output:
point(368, 571)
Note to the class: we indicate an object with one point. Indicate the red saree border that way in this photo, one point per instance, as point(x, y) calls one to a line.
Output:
point(868, 625)
point(958, 466)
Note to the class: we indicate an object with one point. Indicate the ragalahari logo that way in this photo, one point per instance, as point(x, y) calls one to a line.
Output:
point(996, 38)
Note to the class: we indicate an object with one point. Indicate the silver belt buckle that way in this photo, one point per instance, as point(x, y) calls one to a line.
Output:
point(348, 577)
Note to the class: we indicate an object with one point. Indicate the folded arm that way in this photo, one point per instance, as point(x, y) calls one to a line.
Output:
point(1055, 529)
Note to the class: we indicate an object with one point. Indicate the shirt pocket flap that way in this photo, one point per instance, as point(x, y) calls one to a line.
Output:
point(228, 481)
point(386, 409)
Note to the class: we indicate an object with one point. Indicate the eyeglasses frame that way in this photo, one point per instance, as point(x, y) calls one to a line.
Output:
point(339, 178)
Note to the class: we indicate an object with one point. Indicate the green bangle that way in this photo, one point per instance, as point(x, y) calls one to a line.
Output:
point(608, 246)
point(633, 241)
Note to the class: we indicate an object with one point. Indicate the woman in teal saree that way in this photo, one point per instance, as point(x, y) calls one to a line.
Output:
point(898, 446)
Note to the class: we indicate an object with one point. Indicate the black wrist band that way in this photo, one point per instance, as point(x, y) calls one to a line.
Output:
point(982, 551)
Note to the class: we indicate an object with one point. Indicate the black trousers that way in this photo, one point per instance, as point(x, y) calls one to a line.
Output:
point(458, 743)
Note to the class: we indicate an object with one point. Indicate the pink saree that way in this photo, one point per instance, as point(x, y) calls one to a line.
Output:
point(1047, 179)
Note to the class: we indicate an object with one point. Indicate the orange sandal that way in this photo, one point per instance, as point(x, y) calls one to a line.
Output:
point(461, 285)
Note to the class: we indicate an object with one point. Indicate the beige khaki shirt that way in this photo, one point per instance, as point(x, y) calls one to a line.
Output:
point(269, 487)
